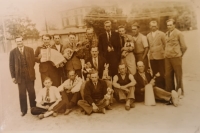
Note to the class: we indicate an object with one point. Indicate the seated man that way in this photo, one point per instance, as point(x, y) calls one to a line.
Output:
point(97, 62)
point(95, 95)
point(143, 78)
point(70, 91)
point(124, 86)
point(48, 101)
point(109, 85)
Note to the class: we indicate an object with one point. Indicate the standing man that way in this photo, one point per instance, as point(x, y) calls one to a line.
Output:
point(127, 50)
point(124, 84)
point(109, 47)
point(89, 42)
point(174, 51)
point(47, 69)
point(59, 47)
point(156, 40)
point(22, 71)
point(141, 46)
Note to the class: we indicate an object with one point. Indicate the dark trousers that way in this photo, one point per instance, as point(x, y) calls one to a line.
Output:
point(138, 57)
point(70, 99)
point(113, 59)
point(159, 66)
point(38, 111)
point(173, 66)
point(26, 85)
point(54, 75)
point(88, 108)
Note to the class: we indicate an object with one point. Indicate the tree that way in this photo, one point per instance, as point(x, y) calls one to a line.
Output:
point(97, 16)
point(21, 26)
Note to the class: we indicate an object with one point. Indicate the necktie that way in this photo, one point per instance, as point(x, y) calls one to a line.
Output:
point(95, 85)
point(21, 51)
point(109, 36)
point(95, 63)
point(169, 34)
point(47, 96)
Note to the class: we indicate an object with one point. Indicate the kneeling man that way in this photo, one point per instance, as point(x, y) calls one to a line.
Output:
point(96, 98)
point(48, 100)
point(143, 78)
point(124, 86)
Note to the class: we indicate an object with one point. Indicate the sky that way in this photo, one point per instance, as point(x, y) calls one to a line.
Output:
point(36, 10)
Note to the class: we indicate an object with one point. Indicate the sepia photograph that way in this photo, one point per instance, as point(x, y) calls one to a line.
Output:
point(103, 66)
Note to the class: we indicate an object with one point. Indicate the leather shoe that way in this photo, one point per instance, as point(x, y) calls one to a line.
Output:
point(23, 113)
point(109, 107)
point(127, 108)
point(41, 116)
point(103, 110)
point(67, 111)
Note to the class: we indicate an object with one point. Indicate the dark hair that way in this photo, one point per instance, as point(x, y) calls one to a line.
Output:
point(72, 33)
point(47, 78)
point(93, 71)
point(89, 28)
point(136, 25)
point(106, 22)
point(171, 19)
point(47, 35)
point(121, 26)
point(56, 35)
point(94, 47)
point(121, 63)
point(18, 37)
point(72, 70)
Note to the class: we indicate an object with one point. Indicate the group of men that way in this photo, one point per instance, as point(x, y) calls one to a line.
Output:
point(128, 69)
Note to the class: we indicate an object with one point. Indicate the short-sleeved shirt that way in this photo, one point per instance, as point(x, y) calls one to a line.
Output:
point(140, 43)
point(54, 95)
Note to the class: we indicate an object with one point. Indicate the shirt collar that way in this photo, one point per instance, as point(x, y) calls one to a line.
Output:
point(22, 48)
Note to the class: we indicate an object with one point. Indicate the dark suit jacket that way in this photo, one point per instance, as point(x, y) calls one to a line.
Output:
point(15, 63)
point(61, 47)
point(103, 44)
point(139, 95)
point(101, 62)
point(90, 93)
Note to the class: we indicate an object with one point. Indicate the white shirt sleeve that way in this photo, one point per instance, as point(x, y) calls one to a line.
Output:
point(144, 41)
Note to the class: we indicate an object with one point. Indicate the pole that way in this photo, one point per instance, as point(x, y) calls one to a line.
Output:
point(45, 22)
point(4, 36)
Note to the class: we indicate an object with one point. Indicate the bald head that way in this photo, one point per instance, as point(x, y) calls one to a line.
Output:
point(140, 66)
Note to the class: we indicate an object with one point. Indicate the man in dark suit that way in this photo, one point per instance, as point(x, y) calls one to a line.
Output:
point(95, 96)
point(174, 51)
point(143, 78)
point(97, 61)
point(47, 69)
point(22, 71)
point(109, 47)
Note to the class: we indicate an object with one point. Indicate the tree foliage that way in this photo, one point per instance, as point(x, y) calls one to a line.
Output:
point(21, 26)
point(97, 16)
